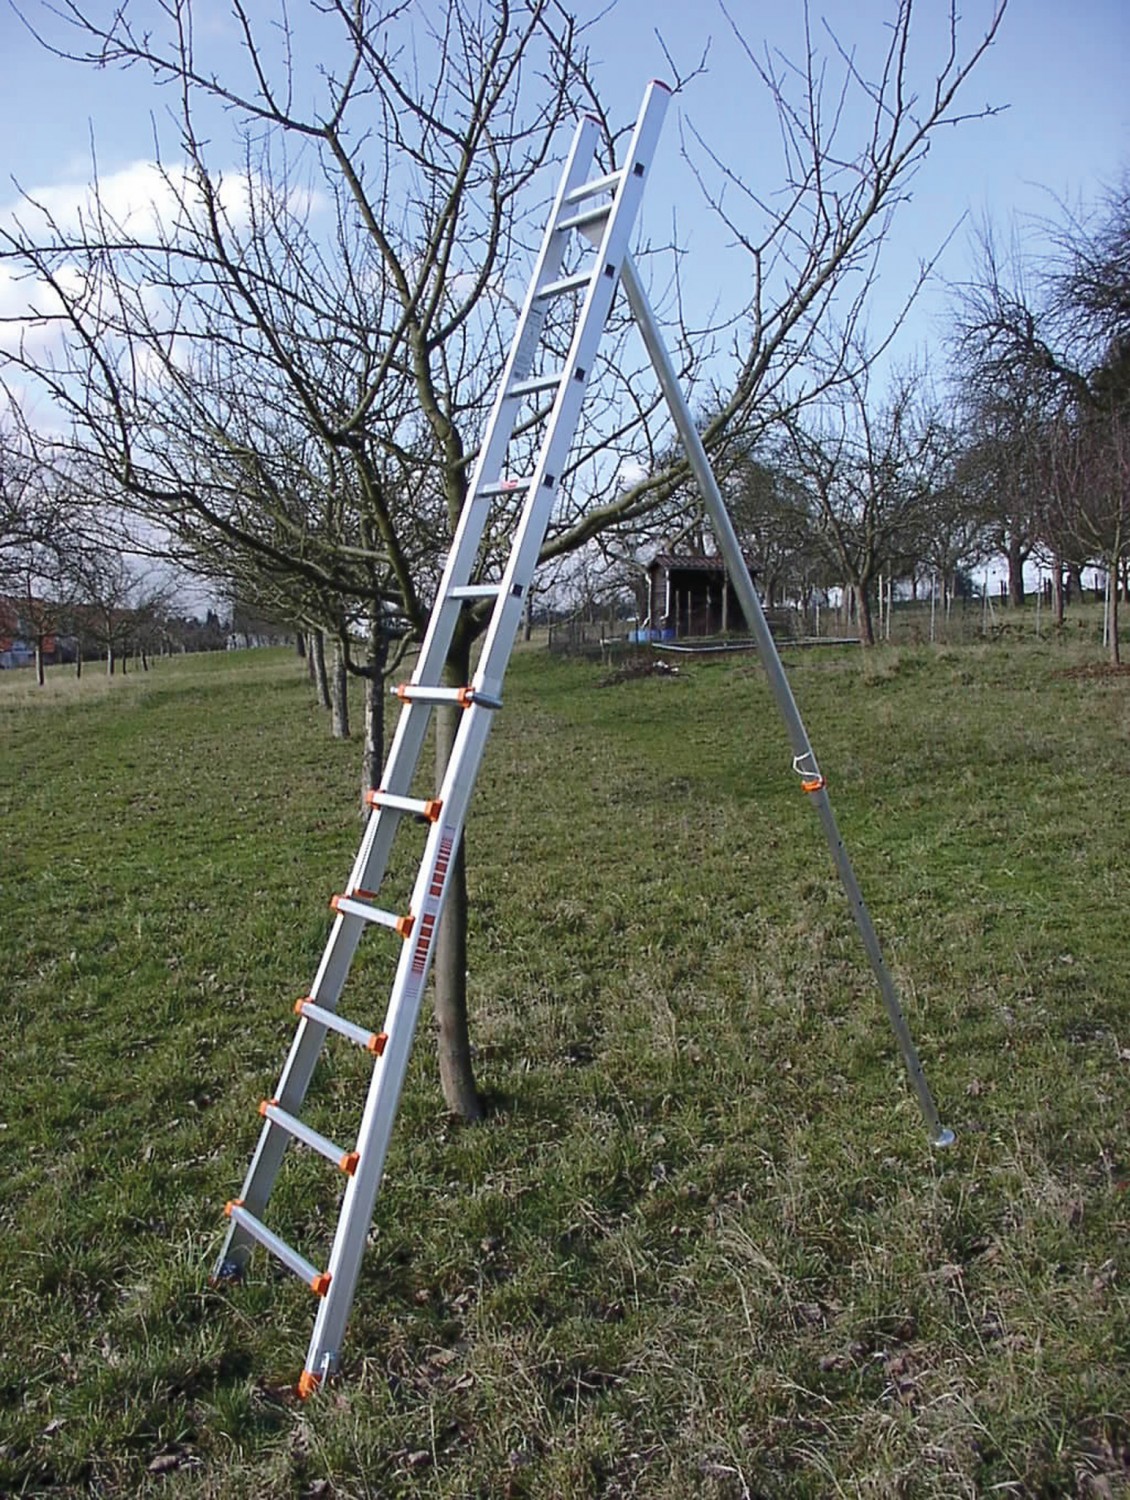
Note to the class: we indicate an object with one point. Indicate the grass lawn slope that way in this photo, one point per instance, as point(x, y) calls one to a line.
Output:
point(701, 1246)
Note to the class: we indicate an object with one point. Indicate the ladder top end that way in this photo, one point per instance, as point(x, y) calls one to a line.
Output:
point(659, 83)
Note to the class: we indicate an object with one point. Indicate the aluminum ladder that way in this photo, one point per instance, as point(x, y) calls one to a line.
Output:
point(598, 213)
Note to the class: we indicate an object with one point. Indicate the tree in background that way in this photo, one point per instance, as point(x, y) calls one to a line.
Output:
point(38, 539)
point(870, 471)
point(1045, 349)
point(773, 516)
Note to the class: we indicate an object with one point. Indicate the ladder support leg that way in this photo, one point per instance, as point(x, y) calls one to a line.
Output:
point(805, 758)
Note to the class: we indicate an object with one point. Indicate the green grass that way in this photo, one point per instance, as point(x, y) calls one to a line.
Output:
point(701, 1245)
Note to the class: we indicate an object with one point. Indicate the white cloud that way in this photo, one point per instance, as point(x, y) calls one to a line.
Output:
point(27, 303)
point(630, 472)
point(142, 199)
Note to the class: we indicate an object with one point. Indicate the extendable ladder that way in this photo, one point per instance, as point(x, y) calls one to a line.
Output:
point(601, 212)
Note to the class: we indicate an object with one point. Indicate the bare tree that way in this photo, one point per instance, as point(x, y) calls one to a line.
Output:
point(1045, 347)
point(871, 470)
point(39, 538)
point(295, 359)
point(954, 533)
point(117, 600)
point(20, 521)
point(1088, 456)
point(773, 516)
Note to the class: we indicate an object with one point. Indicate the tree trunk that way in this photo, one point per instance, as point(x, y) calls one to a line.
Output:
point(40, 674)
point(862, 592)
point(339, 696)
point(372, 756)
point(321, 680)
point(1115, 649)
point(1112, 594)
point(109, 661)
point(1057, 583)
point(1015, 572)
point(78, 661)
point(300, 645)
point(457, 1077)
point(1075, 574)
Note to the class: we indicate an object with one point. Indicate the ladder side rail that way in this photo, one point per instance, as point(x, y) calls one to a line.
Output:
point(500, 424)
point(329, 981)
point(611, 255)
point(430, 891)
point(805, 758)
point(375, 1131)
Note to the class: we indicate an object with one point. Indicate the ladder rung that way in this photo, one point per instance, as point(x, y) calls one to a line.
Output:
point(372, 1041)
point(349, 906)
point(583, 220)
point(566, 284)
point(317, 1281)
point(502, 487)
point(419, 807)
point(475, 591)
point(346, 1160)
point(538, 383)
point(597, 185)
point(465, 697)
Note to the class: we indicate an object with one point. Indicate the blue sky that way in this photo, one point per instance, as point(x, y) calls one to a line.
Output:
point(1059, 67)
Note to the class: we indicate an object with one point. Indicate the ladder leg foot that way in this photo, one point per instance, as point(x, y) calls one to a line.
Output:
point(226, 1272)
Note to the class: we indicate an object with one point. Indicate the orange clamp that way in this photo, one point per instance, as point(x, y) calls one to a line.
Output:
point(465, 697)
point(321, 1283)
point(813, 784)
point(234, 1203)
point(377, 1043)
point(432, 809)
point(308, 1383)
point(300, 1004)
point(404, 925)
point(348, 1162)
point(266, 1104)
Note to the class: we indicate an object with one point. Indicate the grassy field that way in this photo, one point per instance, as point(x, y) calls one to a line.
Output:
point(701, 1246)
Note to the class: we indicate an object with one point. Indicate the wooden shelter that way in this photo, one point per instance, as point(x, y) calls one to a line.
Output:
point(691, 595)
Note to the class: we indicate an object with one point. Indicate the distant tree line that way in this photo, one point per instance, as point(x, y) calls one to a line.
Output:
point(1020, 454)
point(71, 589)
